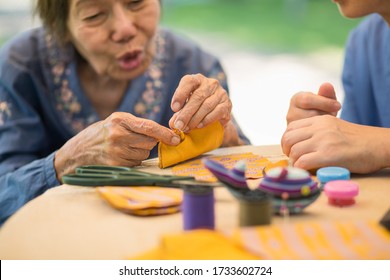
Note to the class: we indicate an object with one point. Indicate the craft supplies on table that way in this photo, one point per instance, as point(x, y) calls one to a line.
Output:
point(314, 240)
point(198, 208)
point(253, 213)
point(319, 240)
point(341, 192)
point(143, 201)
point(332, 173)
point(193, 144)
point(105, 175)
point(254, 204)
point(292, 189)
point(158, 199)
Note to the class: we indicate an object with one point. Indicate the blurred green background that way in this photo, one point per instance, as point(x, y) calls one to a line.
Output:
point(267, 25)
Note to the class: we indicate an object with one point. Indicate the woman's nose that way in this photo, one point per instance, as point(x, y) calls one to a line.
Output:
point(123, 26)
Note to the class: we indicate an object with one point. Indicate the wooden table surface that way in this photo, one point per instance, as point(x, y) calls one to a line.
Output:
point(70, 222)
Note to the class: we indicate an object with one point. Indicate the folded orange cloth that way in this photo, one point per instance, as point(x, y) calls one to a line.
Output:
point(194, 143)
point(143, 201)
point(199, 244)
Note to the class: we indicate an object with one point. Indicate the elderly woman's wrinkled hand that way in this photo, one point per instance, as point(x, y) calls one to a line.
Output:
point(199, 101)
point(121, 139)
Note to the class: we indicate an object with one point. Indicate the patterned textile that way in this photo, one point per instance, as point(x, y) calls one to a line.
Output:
point(317, 240)
point(143, 201)
point(363, 240)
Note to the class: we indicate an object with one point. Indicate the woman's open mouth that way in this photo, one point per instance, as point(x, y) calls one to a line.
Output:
point(131, 60)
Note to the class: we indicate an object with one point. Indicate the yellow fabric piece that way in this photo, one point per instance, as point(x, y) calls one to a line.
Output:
point(194, 143)
point(254, 166)
point(280, 163)
point(317, 240)
point(199, 244)
point(143, 201)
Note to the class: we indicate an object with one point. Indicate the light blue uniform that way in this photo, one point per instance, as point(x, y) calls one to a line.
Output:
point(366, 75)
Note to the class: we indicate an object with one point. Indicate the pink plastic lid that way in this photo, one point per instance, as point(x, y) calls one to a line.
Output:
point(341, 189)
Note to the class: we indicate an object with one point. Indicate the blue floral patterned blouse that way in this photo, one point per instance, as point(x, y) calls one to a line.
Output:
point(42, 104)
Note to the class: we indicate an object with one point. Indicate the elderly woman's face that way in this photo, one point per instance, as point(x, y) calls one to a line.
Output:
point(115, 36)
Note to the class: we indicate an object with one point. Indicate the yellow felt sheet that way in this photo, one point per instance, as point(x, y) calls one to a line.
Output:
point(143, 201)
point(255, 165)
point(194, 143)
point(199, 244)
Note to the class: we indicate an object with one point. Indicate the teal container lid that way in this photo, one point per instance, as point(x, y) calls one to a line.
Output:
point(332, 173)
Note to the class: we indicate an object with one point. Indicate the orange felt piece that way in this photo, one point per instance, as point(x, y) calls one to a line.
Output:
point(194, 143)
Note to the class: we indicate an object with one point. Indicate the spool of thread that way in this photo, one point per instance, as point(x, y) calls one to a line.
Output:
point(255, 212)
point(198, 208)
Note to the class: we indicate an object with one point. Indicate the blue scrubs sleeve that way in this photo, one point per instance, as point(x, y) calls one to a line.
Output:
point(355, 80)
point(349, 109)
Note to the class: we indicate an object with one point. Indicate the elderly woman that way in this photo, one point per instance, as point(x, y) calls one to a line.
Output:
point(99, 83)
point(360, 140)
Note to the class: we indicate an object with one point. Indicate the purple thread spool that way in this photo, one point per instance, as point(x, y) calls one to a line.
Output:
point(198, 208)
